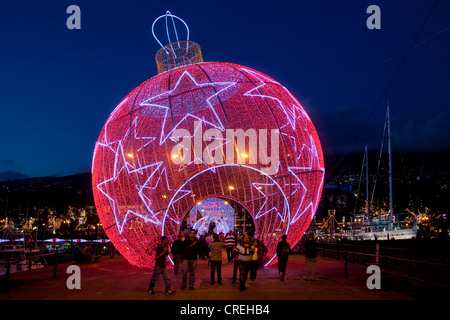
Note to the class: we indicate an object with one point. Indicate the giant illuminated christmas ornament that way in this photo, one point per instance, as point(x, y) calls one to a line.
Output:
point(201, 130)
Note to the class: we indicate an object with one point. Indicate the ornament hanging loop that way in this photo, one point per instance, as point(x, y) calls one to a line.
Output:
point(171, 16)
point(178, 53)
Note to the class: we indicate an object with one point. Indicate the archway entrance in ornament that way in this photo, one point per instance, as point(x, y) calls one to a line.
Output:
point(218, 215)
point(261, 195)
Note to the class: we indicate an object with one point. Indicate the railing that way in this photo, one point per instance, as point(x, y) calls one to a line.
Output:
point(417, 275)
point(54, 257)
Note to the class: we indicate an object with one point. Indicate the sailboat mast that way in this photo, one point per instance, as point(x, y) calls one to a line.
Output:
point(391, 202)
point(367, 183)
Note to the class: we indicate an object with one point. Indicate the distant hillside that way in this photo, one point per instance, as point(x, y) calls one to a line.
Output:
point(76, 183)
point(11, 175)
point(417, 163)
point(421, 181)
point(26, 196)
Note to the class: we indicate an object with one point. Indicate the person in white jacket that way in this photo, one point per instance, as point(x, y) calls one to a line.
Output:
point(245, 256)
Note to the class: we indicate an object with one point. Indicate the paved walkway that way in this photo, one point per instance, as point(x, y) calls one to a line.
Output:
point(115, 279)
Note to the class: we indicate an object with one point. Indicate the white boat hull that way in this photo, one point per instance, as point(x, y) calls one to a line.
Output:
point(399, 234)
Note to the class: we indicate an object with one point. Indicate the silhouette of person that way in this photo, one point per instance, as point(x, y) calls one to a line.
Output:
point(216, 248)
point(256, 260)
point(283, 251)
point(162, 250)
point(245, 256)
point(310, 257)
point(191, 250)
point(176, 253)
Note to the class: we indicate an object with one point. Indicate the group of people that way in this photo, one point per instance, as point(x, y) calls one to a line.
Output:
point(245, 254)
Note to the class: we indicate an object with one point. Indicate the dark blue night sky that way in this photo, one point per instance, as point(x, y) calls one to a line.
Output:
point(58, 86)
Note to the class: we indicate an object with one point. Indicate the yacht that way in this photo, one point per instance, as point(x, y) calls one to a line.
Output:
point(385, 225)
point(19, 254)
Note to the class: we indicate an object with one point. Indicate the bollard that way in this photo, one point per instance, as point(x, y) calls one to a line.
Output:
point(29, 260)
point(54, 263)
point(385, 274)
point(411, 269)
point(345, 264)
point(338, 255)
point(8, 273)
point(377, 253)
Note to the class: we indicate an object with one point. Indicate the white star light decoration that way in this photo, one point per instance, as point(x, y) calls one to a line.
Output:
point(161, 101)
point(134, 177)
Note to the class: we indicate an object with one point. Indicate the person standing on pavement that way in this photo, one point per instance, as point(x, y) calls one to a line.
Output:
point(264, 251)
point(256, 260)
point(283, 251)
point(176, 253)
point(245, 256)
point(230, 243)
point(191, 250)
point(162, 251)
point(203, 248)
point(235, 257)
point(310, 257)
point(216, 248)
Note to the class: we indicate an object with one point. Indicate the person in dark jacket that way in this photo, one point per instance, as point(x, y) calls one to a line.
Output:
point(203, 248)
point(310, 257)
point(191, 250)
point(283, 251)
point(162, 250)
point(176, 253)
